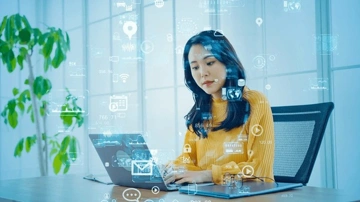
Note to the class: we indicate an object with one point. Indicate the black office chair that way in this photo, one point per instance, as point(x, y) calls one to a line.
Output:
point(299, 131)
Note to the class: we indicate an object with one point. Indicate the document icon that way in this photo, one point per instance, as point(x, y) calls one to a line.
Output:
point(141, 167)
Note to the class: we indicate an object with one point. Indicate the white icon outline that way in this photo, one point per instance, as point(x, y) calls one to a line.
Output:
point(141, 167)
point(255, 131)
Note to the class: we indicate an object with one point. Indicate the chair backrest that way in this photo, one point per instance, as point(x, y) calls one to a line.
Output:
point(299, 131)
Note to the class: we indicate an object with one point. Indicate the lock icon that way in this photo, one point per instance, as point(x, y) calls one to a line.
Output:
point(187, 148)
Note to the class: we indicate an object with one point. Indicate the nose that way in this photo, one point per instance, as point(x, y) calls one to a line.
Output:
point(203, 70)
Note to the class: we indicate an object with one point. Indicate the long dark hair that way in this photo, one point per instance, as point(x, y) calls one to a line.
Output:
point(237, 110)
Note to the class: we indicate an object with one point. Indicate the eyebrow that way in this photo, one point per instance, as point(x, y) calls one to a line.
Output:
point(207, 56)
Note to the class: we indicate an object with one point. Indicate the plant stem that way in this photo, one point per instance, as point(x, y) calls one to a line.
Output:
point(45, 140)
point(36, 116)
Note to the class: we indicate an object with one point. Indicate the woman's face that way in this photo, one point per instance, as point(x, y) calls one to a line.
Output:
point(208, 73)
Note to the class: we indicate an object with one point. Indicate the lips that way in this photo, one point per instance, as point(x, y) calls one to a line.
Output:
point(207, 83)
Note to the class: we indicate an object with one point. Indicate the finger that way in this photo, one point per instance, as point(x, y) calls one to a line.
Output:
point(168, 176)
point(179, 176)
point(170, 180)
point(172, 175)
point(169, 169)
point(166, 171)
point(168, 166)
point(161, 167)
point(183, 180)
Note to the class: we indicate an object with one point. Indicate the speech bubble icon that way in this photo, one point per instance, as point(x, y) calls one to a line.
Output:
point(130, 28)
point(131, 194)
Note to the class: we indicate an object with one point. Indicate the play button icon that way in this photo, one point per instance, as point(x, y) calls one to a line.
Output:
point(257, 130)
point(247, 171)
point(147, 46)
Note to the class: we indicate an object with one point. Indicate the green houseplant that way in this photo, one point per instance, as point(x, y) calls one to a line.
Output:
point(19, 42)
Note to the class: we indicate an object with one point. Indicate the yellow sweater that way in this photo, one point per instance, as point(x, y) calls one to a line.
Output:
point(248, 149)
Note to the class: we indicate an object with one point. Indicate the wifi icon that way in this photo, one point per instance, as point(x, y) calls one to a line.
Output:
point(123, 77)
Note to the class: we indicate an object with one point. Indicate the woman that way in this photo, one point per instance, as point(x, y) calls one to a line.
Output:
point(230, 127)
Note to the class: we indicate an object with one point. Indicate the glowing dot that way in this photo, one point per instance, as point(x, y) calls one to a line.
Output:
point(267, 86)
point(272, 57)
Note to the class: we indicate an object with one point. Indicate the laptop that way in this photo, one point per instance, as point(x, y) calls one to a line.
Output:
point(249, 188)
point(129, 162)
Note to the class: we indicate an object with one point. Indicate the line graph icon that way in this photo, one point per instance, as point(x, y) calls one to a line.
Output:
point(128, 47)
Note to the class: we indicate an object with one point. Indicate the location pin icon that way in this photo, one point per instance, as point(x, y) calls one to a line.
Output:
point(259, 21)
point(130, 28)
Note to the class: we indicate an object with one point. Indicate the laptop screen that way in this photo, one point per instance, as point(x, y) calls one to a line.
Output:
point(128, 160)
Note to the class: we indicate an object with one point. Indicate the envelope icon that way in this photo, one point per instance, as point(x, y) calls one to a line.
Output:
point(141, 167)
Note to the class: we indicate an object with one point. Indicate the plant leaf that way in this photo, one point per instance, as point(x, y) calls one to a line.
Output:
point(19, 147)
point(67, 41)
point(10, 60)
point(66, 161)
point(67, 121)
point(28, 144)
point(3, 113)
point(4, 47)
point(57, 145)
point(32, 118)
point(47, 86)
point(18, 22)
point(23, 51)
point(48, 46)
point(53, 151)
point(24, 36)
point(47, 62)
point(57, 163)
point(26, 22)
point(9, 31)
point(25, 95)
point(20, 60)
point(64, 144)
point(15, 91)
point(43, 37)
point(79, 119)
point(21, 106)
point(13, 119)
point(26, 81)
point(41, 86)
point(29, 109)
point(38, 86)
point(11, 105)
point(67, 167)
point(37, 34)
point(59, 56)
point(3, 23)
point(42, 111)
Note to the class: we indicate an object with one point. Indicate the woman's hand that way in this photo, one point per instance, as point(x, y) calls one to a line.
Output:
point(188, 177)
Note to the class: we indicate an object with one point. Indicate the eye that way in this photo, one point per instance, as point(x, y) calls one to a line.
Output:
point(195, 68)
point(210, 63)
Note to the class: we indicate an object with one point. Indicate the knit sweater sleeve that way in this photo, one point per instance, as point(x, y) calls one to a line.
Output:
point(260, 143)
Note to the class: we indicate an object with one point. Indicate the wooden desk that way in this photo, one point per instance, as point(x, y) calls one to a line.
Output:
point(68, 188)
